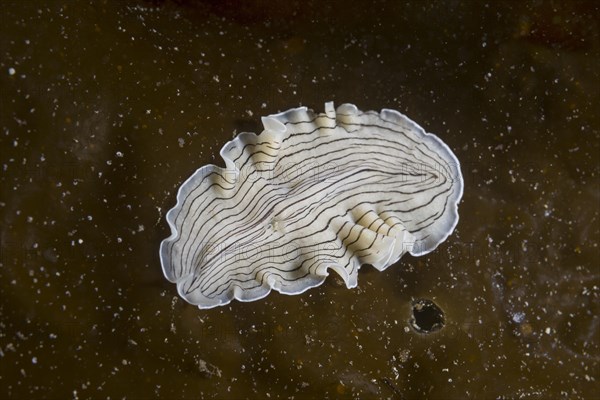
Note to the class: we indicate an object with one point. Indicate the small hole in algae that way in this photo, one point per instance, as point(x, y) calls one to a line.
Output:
point(427, 317)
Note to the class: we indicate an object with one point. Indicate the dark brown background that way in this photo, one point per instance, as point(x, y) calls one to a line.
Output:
point(107, 107)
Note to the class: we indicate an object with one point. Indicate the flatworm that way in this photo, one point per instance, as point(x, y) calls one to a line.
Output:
point(312, 192)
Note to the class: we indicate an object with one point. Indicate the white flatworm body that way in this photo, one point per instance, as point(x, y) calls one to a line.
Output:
point(312, 192)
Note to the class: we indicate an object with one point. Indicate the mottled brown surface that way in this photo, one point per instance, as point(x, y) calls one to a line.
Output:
point(107, 107)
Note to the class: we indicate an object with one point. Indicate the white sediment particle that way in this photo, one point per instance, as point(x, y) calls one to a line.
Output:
point(11, 71)
point(518, 317)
